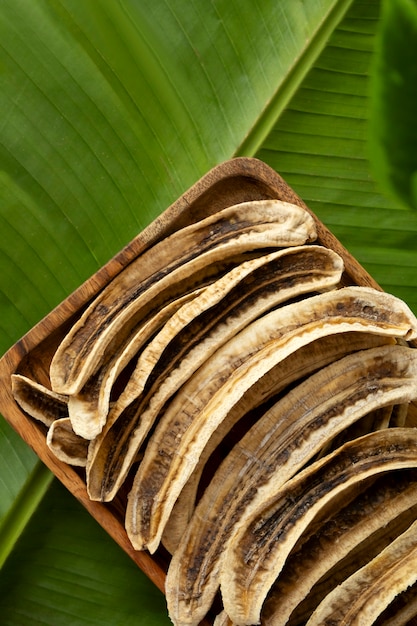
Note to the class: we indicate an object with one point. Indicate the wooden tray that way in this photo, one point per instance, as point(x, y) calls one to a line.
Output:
point(234, 181)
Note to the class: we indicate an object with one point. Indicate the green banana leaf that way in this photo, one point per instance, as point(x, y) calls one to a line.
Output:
point(110, 109)
point(394, 100)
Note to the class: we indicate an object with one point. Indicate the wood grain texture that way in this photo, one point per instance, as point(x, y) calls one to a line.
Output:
point(234, 181)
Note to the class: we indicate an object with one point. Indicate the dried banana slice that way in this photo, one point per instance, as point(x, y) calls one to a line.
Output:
point(152, 279)
point(298, 365)
point(261, 546)
point(363, 596)
point(88, 409)
point(231, 302)
point(285, 275)
point(38, 401)
point(51, 409)
point(204, 401)
point(375, 513)
point(65, 444)
point(277, 446)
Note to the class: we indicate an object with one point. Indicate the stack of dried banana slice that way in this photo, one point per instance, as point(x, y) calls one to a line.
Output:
point(258, 412)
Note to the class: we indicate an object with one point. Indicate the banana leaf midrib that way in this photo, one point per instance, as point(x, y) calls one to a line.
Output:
point(294, 78)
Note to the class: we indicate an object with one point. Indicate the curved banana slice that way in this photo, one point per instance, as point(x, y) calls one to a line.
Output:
point(236, 301)
point(367, 524)
point(152, 279)
point(65, 444)
point(38, 401)
point(51, 409)
point(203, 402)
point(277, 446)
point(360, 599)
point(261, 546)
point(298, 365)
point(89, 408)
